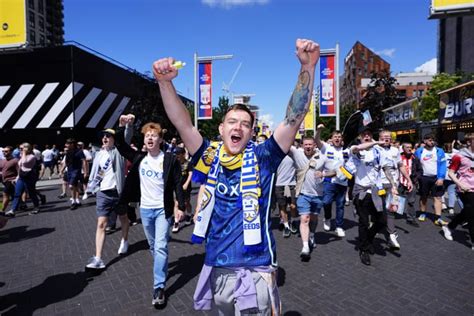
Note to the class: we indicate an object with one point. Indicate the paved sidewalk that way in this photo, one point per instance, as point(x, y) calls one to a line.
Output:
point(43, 258)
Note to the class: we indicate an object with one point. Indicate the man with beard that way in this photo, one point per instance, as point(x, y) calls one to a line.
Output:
point(235, 217)
point(433, 162)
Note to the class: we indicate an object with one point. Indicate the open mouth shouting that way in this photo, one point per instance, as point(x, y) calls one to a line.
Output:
point(235, 139)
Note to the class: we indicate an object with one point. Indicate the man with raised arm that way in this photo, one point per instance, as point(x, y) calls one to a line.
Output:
point(239, 269)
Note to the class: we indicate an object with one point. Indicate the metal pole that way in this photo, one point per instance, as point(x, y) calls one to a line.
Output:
point(337, 88)
point(195, 93)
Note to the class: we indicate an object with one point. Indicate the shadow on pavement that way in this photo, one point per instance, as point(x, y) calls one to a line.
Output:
point(20, 233)
point(133, 248)
point(281, 276)
point(292, 313)
point(54, 289)
point(186, 268)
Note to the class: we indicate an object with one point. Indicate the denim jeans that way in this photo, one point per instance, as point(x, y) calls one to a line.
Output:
point(28, 185)
point(334, 192)
point(157, 227)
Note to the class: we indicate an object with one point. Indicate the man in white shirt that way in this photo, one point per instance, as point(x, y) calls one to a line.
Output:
point(48, 161)
point(309, 190)
point(433, 162)
point(392, 165)
point(334, 187)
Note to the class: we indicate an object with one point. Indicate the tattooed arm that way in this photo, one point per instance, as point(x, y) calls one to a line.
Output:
point(308, 55)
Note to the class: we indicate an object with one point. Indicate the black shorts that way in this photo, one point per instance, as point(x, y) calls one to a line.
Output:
point(282, 200)
point(9, 188)
point(429, 188)
point(74, 177)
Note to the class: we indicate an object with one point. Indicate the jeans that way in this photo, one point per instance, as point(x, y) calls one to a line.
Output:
point(450, 187)
point(28, 185)
point(157, 227)
point(410, 197)
point(334, 192)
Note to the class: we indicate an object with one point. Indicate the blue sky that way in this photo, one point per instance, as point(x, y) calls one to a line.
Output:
point(260, 34)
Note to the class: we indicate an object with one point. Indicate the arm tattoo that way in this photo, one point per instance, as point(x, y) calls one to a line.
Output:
point(298, 105)
point(388, 174)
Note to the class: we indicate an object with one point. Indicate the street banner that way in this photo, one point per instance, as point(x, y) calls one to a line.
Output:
point(457, 104)
point(13, 22)
point(309, 118)
point(205, 95)
point(327, 86)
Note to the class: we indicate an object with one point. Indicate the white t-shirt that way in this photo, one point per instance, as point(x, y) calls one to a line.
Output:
point(152, 185)
point(48, 155)
point(335, 159)
point(105, 164)
point(312, 186)
point(429, 162)
point(367, 163)
point(389, 156)
point(286, 172)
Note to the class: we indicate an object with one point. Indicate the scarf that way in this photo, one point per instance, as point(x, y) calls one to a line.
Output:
point(408, 165)
point(249, 192)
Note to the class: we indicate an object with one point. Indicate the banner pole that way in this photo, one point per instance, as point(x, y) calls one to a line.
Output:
point(195, 93)
point(337, 88)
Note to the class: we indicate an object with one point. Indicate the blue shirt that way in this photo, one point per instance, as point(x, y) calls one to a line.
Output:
point(225, 237)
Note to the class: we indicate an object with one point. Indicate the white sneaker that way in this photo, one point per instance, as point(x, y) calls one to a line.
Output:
point(447, 233)
point(327, 224)
point(123, 249)
point(340, 232)
point(95, 263)
point(175, 228)
point(85, 196)
point(393, 242)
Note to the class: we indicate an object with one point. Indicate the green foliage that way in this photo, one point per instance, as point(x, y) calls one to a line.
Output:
point(430, 102)
point(210, 128)
point(381, 94)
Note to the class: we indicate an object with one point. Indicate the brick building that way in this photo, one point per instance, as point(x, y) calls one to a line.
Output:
point(359, 63)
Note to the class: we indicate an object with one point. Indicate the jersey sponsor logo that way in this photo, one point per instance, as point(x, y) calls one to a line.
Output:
point(151, 173)
point(428, 157)
point(225, 190)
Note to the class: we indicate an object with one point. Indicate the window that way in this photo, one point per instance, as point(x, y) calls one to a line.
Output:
point(41, 23)
point(32, 19)
point(32, 37)
point(31, 4)
point(421, 92)
point(360, 71)
point(362, 56)
point(42, 40)
point(419, 83)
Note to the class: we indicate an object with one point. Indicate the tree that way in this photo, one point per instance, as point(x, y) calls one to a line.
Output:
point(209, 128)
point(381, 94)
point(430, 102)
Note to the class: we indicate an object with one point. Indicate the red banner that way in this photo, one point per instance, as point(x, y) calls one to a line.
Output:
point(205, 95)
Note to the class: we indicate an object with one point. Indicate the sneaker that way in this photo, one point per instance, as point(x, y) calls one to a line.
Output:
point(422, 217)
point(159, 298)
point(43, 199)
point(134, 223)
point(347, 203)
point(286, 232)
point(393, 242)
point(110, 229)
point(281, 225)
point(364, 257)
point(95, 263)
point(450, 211)
point(85, 196)
point(175, 228)
point(123, 247)
point(188, 220)
point(36, 210)
point(371, 249)
point(74, 206)
point(305, 254)
point(440, 222)
point(447, 233)
point(327, 224)
point(62, 196)
point(340, 232)
point(294, 227)
point(10, 213)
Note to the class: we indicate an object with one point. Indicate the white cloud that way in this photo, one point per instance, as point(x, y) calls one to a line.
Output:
point(431, 67)
point(389, 52)
point(267, 119)
point(228, 4)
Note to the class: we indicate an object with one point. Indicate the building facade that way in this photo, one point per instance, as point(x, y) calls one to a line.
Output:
point(359, 63)
point(455, 44)
point(45, 22)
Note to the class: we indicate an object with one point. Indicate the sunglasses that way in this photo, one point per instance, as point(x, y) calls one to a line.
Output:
point(108, 135)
